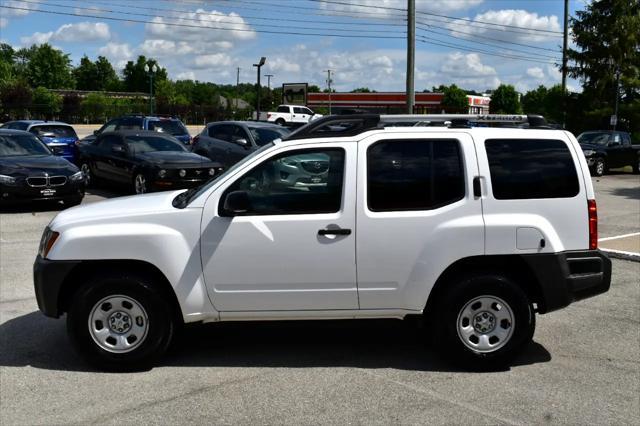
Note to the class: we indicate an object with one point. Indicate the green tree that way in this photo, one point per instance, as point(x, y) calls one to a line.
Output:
point(86, 75)
point(362, 90)
point(136, 79)
point(15, 97)
point(505, 100)
point(46, 103)
point(48, 67)
point(533, 102)
point(455, 100)
point(107, 79)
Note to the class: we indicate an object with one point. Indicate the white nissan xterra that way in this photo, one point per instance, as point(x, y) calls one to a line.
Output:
point(476, 229)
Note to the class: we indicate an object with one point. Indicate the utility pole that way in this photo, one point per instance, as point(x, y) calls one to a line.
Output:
point(565, 36)
point(615, 111)
point(329, 81)
point(411, 53)
point(235, 111)
point(269, 86)
point(258, 66)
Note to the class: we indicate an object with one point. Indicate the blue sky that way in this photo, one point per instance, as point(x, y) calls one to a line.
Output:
point(199, 49)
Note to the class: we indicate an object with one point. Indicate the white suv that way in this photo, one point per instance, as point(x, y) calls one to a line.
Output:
point(475, 229)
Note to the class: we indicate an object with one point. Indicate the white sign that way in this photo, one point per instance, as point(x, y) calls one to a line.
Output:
point(614, 120)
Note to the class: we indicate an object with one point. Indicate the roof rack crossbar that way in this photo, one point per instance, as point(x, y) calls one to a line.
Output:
point(351, 125)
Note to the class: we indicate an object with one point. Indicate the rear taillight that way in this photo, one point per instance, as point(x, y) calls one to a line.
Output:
point(593, 224)
point(268, 116)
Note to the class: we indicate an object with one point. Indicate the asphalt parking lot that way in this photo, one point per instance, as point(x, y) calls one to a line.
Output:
point(583, 367)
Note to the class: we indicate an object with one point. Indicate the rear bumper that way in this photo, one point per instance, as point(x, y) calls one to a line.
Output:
point(48, 277)
point(569, 276)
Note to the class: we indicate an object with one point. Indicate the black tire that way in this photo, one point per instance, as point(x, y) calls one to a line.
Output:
point(160, 322)
point(280, 122)
point(451, 314)
point(636, 166)
point(139, 187)
point(599, 167)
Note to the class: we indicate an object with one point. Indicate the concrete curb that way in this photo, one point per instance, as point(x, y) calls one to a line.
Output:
point(619, 254)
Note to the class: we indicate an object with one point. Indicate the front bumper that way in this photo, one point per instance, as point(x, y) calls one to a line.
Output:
point(172, 184)
point(569, 276)
point(22, 192)
point(48, 278)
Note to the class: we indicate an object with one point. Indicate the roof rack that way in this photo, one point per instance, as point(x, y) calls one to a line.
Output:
point(351, 125)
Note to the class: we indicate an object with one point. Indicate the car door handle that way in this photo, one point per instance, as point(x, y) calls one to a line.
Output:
point(339, 231)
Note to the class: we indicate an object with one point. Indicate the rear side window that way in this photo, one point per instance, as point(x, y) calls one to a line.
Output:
point(283, 109)
point(414, 174)
point(531, 168)
point(54, 131)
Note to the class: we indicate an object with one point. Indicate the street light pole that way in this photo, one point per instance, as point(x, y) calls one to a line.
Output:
point(258, 66)
point(329, 81)
point(151, 71)
point(269, 86)
point(411, 54)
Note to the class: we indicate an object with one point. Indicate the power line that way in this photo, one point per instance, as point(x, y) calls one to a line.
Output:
point(163, 9)
point(199, 20)
point(139, 21)
point(471, 21)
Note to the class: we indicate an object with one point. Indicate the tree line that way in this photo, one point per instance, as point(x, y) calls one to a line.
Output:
point(606, 60)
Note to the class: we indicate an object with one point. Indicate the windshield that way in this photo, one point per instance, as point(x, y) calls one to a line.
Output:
point(172, 127)
point(264, 135)
point(183, 199)
point(55, 131)
point(597, 138)
point(151, 143)
point(21, 145)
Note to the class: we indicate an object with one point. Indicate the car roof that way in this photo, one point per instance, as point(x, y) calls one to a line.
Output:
point(14, 132)
point(49, 123)
point(138, 132)
point(247, 123)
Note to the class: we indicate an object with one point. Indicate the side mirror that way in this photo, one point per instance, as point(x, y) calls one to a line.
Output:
point(237, 202)
point(118, 149)
point(242, 142)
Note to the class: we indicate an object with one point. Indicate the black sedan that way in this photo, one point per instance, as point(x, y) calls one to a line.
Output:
point(145, 160)
point(30, 171)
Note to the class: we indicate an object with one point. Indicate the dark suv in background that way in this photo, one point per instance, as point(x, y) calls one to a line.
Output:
point(228, 142)
point(169, 125)
point(608, 149)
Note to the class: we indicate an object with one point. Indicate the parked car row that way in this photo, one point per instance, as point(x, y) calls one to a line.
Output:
point(155, 153)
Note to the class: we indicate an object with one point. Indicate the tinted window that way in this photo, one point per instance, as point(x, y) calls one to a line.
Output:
point(19, 145)
point(221, 131)
point(414, 174)
point(531, 168)
point(264, 135)
point(283, 109)
point(109, 127)
point(151, 143)
point(55, 131)
point(109, 140)
point(172, 127)
point(129, 123)
point(626, 139)
point(299, 110)
point(298, 182)
point(599, 138)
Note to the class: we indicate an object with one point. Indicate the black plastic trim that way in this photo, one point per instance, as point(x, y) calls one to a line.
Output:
point(48, 277)
point(569, 276)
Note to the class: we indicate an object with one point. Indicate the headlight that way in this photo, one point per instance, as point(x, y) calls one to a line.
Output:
point(7, 180)
point(212, 172)
point(49, 238)
point(162, 173)
point(76, 177)
point(182, 172)
point(588, 152)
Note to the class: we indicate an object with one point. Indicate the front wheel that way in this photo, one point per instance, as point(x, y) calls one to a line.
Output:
point(600, 167)
point(140, 185)
point(89, 178)
point(120, 323)
point(636, 166)
point(483, 321)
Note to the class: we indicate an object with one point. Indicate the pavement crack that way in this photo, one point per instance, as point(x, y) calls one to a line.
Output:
point(446, 399)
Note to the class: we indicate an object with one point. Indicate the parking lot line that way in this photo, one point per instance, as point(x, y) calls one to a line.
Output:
point(619, 236)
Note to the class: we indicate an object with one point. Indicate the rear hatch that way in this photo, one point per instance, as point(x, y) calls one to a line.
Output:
point(59, 138)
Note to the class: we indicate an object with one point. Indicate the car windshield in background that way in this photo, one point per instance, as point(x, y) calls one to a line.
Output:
point(21, 145)
point(151, 143)
point(171, 127)
point(594, 138)
point(56, 131)
point(263, 135)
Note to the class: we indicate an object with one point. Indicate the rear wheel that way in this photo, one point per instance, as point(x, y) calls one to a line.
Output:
point(636, 166)
point(120, 323)
point(483, 321)
point(280, 121)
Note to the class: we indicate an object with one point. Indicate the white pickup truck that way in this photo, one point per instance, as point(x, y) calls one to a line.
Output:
point(292, 114)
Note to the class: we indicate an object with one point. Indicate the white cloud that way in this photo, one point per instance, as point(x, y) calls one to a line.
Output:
point(22, 8)
point(71, 33)
point(212, 61)
point(282, 65)
point(509, 17)
point(468, 71)
point(187, 75)
point(164, 48)
point(535, 72)
point(117, 53)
